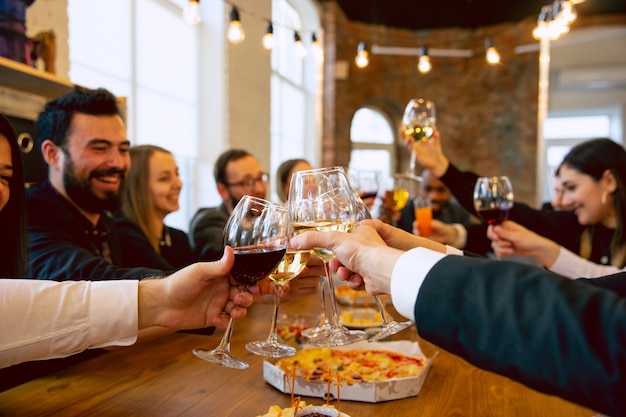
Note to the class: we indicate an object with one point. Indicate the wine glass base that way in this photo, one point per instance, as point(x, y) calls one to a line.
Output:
point(390, 328)
point(338, 337)
point(270, 349)
point(319, 331)
point(220, 357)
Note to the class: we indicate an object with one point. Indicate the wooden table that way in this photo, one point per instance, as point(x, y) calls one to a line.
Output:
point(163, 378)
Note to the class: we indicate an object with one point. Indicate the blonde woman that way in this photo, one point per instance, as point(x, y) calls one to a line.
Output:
point(151, 193)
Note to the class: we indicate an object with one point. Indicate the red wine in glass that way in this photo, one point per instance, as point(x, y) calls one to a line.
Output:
point(493, 198)
point(494, 215)
point(252, 264)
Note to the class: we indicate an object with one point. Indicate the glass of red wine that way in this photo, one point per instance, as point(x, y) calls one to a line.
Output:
point(493, 198)
point(258, 232)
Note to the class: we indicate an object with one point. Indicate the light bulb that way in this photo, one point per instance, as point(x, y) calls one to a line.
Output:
point(362, 58)
point(492, 55)
point(235, 32)
point(191, 12)
point(424, 65)
point(268, 38)
point(300, 48)
point(316, 47)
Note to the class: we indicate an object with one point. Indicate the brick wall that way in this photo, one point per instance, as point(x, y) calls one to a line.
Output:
point(487, 115)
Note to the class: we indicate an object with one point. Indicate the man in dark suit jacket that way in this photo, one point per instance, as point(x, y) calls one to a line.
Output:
point(556, 335)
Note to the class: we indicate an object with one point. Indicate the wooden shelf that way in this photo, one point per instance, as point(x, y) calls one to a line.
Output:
point(21, 77)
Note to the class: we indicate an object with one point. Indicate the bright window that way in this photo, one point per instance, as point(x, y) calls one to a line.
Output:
point(372, 142)
point(135, 49)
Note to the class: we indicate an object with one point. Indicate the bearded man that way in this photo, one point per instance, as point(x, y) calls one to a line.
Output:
point(71, 232)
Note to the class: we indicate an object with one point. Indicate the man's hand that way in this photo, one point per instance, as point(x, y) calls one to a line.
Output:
point(194, 297)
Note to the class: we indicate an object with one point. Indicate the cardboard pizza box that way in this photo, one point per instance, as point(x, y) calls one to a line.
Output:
point(374, 392)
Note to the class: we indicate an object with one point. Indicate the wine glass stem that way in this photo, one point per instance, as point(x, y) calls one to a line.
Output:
point(224, 345)
point(333, 301)
point(382, 310)
point(273, 337)
point(323, 319)
point(411, 170)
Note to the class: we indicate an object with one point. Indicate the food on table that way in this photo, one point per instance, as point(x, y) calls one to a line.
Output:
point(361, 317)
point(348, 296)
point(351, 366)
point(304, 410)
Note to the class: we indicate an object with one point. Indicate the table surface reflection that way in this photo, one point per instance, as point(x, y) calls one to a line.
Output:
point(163, 378)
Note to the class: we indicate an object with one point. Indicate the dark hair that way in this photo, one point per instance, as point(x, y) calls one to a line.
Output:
point(54, 121)
point(594, 158)
point(219, 170)
point(282, 175)
point(13, 246)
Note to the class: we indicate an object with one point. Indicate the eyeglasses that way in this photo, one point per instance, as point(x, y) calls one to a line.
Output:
point(250, 182)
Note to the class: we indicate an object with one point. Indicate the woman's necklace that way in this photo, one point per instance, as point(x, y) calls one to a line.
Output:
point(166, 239)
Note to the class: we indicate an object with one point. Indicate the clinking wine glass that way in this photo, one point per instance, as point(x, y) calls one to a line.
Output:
point(322, 200)
point(390, 325)
point(493, 198)
point(289, 268)
point(418, 121)
point(258, 232)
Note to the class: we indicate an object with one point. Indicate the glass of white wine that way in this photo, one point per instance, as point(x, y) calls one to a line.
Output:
point(322, 200)
point(289, 268)
point(418, 121)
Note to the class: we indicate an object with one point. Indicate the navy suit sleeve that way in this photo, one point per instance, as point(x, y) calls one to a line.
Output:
point(556, 335)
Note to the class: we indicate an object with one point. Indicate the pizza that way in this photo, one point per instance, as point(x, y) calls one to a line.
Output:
point(351, 366)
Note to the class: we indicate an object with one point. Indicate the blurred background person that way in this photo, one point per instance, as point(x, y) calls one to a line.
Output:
point(150, 193)
point(283, 175)
point(237, 173)
point(592, 175)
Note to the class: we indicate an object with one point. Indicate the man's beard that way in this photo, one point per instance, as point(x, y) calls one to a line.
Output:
point(81, 194)
point(232, 200)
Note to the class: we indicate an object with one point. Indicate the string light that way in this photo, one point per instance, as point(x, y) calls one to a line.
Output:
point(491, 53)
point(191, 13)
point(235, 32)
point(423, 65)
point(268, 38)
point(555, 19)
point(362, 58)
point(316, 46)
point(300, 48)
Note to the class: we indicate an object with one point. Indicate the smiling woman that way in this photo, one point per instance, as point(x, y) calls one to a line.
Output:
point(151, 192)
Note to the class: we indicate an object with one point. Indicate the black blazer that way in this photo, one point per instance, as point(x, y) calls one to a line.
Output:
point(559, 336)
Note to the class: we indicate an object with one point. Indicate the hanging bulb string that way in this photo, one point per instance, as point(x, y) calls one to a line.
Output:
point(264, 18)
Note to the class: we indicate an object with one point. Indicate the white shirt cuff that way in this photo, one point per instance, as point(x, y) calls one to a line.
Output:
point(407, 277)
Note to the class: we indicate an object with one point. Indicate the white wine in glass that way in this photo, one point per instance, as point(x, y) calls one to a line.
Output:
point(418, 122)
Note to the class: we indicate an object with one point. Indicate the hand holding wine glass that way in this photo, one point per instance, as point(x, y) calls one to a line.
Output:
point(418, 121)
point(258, 232)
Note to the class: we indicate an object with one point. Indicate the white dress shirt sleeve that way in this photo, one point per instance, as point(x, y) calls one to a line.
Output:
point(47, 319)
point(409, 274)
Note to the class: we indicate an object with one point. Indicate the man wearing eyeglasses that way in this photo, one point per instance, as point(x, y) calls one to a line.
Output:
point(237, 173)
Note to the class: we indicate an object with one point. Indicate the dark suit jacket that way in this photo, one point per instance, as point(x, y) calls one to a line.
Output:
point(206, 232)
point(65, 245)
point(559, 336)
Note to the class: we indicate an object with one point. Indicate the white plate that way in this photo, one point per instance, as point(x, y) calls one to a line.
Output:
point(360, 318)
